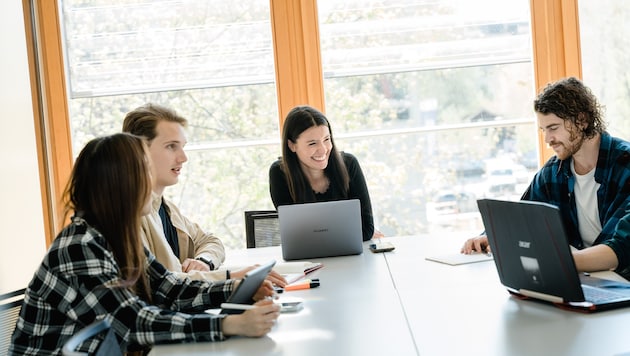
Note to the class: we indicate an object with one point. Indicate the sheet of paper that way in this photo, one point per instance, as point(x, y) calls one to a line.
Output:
point(293, 277)
point(455, 259)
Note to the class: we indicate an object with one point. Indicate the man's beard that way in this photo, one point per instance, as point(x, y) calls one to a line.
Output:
point(573, 146)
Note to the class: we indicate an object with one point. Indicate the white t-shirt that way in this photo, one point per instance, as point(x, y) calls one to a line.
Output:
point(586, 202)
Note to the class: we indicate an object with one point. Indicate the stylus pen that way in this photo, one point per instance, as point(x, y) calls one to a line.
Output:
point(235, 306)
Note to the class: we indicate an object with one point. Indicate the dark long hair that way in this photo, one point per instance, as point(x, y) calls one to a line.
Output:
point(300, 119)
point(109, 186)
point(571, 101)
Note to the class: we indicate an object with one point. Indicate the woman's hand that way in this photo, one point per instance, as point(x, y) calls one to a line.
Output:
point(255, 322)
point(265, 291)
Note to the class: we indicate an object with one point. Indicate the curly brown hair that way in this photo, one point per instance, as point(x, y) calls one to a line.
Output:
point(570, 100)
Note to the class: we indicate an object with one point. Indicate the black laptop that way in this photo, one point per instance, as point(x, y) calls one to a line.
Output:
point(533, 258)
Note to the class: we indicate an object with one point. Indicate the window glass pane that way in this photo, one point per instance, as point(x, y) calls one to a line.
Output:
point(435, 99)
point(143, 46)
point(211, 61)
point(605, 57)
point(232, 180)
point(419, 186)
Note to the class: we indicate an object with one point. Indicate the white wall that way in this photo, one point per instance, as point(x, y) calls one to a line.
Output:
point(22, 240)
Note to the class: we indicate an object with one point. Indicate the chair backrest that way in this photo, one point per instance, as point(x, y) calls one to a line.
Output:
point(261, 228)
point(109, 345)
point(10, 305)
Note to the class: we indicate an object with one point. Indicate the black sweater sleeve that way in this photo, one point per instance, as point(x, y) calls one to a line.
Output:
point(359, 190)
point(278, 187)
point(279, 190)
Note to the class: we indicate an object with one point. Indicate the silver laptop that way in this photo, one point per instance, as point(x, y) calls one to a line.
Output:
point(533, 258)
point(323, 229)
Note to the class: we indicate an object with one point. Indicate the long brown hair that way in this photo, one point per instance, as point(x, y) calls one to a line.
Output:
point(300, 119)
point(109, 187)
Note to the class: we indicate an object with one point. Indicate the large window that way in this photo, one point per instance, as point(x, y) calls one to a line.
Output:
point(435, 99)
point(605, 58)
point(211, 61)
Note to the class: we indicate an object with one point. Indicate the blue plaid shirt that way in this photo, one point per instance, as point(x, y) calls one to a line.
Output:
point(554, 184)
point(74, 287)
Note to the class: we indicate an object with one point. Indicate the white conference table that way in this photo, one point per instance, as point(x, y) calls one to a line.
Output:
point(464, 310)
point(397, 303)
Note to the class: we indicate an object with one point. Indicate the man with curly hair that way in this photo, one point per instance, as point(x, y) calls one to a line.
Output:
point(588, 178)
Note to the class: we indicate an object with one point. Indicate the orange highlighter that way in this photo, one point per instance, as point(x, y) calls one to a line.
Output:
point(305, 284)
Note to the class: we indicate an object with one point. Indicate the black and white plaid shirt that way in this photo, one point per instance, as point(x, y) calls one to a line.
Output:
point(75, 285)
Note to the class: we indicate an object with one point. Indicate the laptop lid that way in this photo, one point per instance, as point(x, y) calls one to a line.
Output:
point(322, 229)
point(244, 293)
point(532, 254)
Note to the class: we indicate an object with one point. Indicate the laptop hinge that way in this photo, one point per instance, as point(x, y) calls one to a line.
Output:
point(542, 296)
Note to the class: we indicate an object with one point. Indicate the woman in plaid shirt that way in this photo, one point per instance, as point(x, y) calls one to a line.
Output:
point(97, 268)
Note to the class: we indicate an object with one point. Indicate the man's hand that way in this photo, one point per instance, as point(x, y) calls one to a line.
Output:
point(274, 277)
point(476, 244)
point(194, 265)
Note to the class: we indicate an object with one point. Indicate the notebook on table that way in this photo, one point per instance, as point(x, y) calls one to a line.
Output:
point(322, 229)
point(533, 258)
point(295, 270)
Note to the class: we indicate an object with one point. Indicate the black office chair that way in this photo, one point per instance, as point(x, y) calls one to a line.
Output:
point(10, 305)
point(261, 228)
point(109, 345)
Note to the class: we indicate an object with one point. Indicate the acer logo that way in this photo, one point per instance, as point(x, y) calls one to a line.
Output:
point(320, 230)
point(524, 244)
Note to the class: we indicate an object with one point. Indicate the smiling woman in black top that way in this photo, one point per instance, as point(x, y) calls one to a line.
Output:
point(312, 169)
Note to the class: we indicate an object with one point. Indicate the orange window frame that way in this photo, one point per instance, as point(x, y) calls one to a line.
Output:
point(299, 76)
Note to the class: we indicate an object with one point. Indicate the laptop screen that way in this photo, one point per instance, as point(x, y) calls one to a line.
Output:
point(530, 248)
point(322, 229)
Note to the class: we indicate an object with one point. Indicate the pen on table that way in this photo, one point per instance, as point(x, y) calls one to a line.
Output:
point(302, 285)
point(235, 306)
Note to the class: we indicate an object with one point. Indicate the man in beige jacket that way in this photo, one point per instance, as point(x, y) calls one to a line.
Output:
point(178, 243)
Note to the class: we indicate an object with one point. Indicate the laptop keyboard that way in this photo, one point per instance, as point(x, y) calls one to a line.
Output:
point(599, 295)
